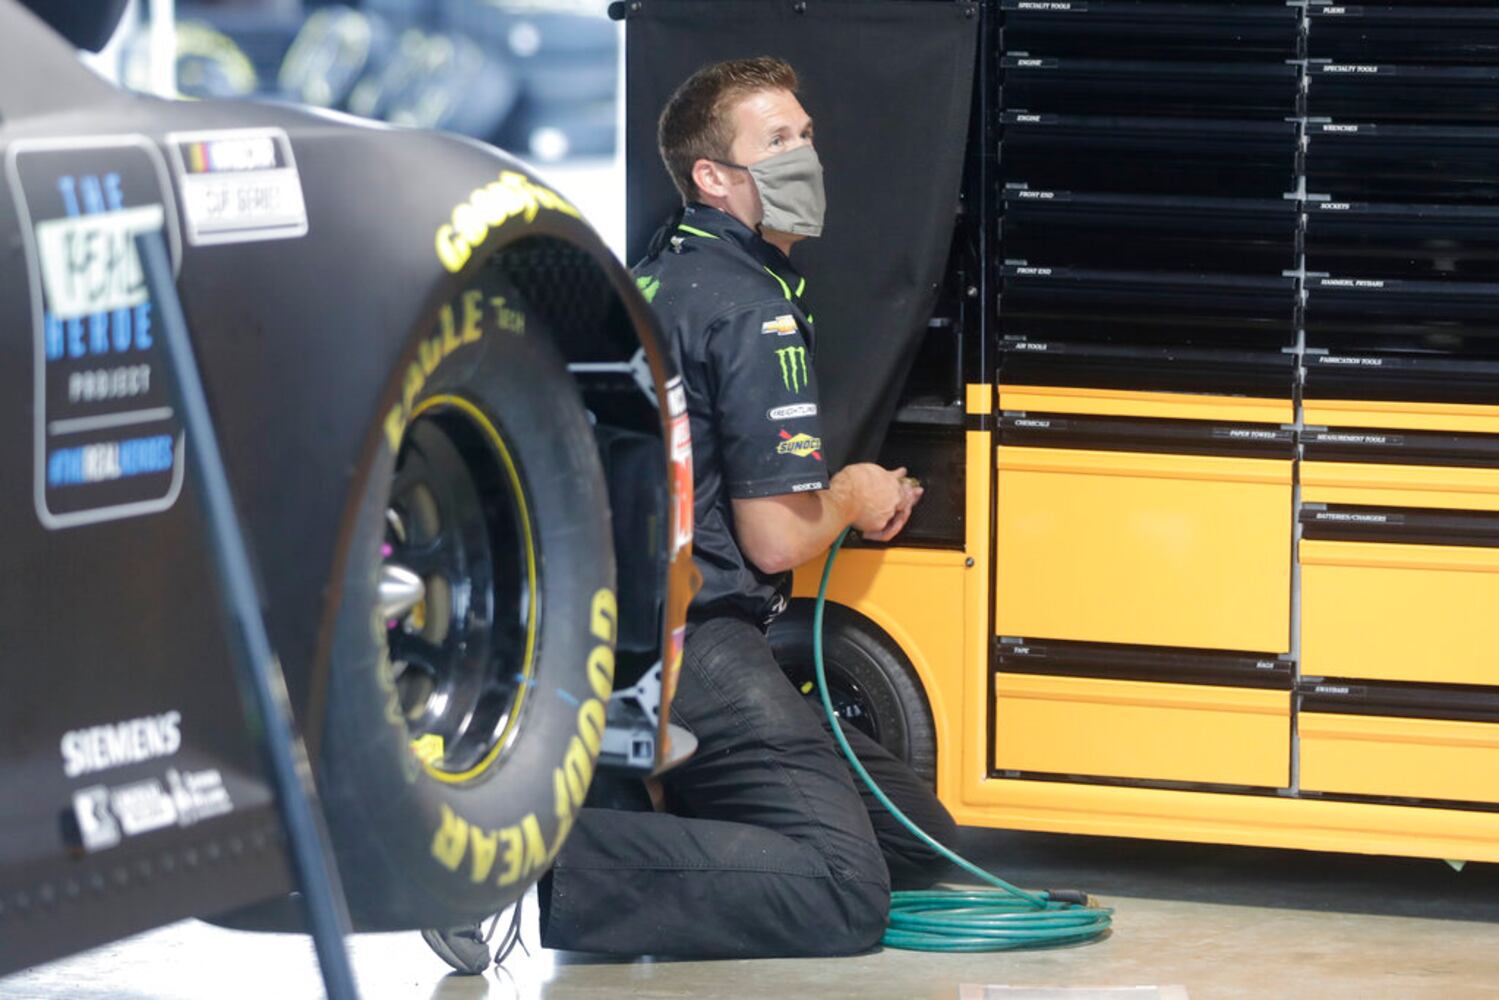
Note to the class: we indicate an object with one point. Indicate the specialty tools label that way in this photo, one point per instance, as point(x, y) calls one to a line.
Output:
point(107, 442)
point(238, 185)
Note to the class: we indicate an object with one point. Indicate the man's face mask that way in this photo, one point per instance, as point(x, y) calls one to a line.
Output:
point(791, 193)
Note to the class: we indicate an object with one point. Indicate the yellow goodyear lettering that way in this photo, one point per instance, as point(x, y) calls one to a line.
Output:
point(520, 850)
point(510, 851)
point(452, 251)
point(485, 847)
point(451, 840)
point(512, 195)
point(570, 781)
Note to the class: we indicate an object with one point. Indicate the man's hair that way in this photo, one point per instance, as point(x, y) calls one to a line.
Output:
point(696, 122)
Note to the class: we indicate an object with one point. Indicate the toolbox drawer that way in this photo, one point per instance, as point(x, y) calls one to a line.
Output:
point(1438, 759)
point(1150, 232)
point(1076, 304)
point(1399, 612)
point(1444, 318)
point(1156, 549)
point(1403, 163)
point(1450, 487)
point(1163, 156)
point(1419, 242)
point(1152, 89)
point(1416, 34)
point(1405, 94)
point(1453, 393)
point(1145, 730)
point(1153, 369)
point(1137, 403)
point(1119, 29)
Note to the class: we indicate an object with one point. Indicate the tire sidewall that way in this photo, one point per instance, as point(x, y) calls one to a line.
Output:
point(417, 851)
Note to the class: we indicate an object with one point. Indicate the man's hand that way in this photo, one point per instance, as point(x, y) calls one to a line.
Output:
point(911, 492)
point(781, 532)
point(877, 501)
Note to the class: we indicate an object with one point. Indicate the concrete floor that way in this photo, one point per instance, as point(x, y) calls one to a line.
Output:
point(1192, 921)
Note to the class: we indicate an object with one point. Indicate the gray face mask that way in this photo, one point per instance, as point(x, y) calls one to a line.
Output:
point(791, 193)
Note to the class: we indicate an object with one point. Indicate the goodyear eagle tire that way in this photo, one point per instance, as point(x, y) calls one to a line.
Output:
point(464, 712)
point(871, 683)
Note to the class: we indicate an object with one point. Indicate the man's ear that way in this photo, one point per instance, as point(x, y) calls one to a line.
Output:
point(710, 179)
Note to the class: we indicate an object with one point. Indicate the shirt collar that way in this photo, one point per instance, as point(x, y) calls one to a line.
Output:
point(724, 226)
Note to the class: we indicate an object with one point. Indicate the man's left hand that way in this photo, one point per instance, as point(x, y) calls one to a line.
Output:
point(910, 493)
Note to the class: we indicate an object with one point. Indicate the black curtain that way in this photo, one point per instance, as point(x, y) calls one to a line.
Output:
point(889, 83)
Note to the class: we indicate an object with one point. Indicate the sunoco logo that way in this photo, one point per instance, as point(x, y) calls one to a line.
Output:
point(800, 445)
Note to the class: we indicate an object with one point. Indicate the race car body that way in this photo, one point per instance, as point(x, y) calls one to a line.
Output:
point(426, 373)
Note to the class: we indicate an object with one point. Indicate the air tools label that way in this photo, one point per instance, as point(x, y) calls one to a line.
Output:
point(108, 444)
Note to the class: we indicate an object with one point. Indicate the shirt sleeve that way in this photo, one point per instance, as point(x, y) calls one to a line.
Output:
point(765, 403)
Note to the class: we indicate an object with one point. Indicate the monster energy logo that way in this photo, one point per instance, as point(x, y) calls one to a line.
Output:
point(793, 367)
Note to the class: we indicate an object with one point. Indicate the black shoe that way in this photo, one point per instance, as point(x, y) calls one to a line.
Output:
point(464, 948)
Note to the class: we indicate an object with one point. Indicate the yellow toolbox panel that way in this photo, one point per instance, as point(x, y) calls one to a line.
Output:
point(1407, 758)
point(1139, 729)
point(1387, 611)
point(1472, 417)
point(1169, 550)
point(1130, 403)
point(1448, 487)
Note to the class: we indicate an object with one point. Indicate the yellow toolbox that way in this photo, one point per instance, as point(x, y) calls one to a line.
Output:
point(1400, 612)
point(1136, 729)
point(1416, 758)
point(1151, 548)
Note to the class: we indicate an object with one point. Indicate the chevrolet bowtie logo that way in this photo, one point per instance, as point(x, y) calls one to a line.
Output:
point(793, 368)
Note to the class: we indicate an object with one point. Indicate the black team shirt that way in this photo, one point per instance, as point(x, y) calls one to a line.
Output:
point(732, 309)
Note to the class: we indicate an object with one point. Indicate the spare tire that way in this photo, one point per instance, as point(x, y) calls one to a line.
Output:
point(872, 685)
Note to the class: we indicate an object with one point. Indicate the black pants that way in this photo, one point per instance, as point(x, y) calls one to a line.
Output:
point(769, 850)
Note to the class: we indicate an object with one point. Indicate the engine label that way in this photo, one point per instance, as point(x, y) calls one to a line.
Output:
point(107, 442)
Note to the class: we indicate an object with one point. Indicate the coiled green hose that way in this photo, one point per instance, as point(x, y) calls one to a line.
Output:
point(962, 919)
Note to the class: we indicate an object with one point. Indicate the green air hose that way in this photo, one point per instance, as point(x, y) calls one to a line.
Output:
point(962, 919)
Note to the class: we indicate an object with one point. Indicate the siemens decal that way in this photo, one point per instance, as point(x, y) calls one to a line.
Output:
point(99, 748)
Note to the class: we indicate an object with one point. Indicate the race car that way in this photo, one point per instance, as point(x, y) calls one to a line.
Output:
point(459, 456)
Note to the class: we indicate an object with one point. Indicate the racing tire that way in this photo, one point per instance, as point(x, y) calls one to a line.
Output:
point(454, 757)
point(871, 682)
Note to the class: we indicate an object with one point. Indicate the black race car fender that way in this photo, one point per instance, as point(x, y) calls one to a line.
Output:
point(312, 336)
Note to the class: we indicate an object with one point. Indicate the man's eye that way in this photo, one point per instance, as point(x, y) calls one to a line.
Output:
point(777, 141)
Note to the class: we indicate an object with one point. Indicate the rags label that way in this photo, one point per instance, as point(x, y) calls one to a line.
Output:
point(107, 442)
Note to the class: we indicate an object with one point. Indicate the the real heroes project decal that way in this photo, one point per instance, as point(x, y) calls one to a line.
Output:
point(107, 442)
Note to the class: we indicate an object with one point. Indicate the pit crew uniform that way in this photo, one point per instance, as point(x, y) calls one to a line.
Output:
point(768, 847)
